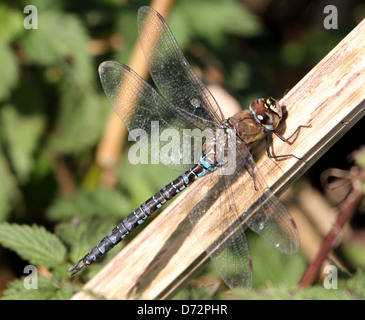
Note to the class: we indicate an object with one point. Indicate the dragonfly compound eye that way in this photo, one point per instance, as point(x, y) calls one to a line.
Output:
point(272, 105)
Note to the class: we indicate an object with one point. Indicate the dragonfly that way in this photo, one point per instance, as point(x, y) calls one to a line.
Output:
point(184, 103)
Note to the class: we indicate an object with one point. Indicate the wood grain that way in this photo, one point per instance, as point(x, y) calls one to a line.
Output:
point(157, 263)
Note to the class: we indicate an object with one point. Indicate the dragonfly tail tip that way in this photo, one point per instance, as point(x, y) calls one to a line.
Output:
point(76, 267)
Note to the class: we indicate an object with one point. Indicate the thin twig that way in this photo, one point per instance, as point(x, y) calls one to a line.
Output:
point(346, 210)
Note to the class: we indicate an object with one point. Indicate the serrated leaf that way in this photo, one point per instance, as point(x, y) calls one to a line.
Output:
point(21, 134)
point(83, 235)
point(33, 243)
point(47, 288)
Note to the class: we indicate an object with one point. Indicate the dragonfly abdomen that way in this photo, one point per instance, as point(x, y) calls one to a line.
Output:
point(138, 216)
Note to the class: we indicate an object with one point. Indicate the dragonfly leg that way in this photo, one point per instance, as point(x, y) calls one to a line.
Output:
point(287, 139)
point(284, 140)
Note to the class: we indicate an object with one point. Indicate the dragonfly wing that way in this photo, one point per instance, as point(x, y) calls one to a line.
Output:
point(273, 222)
point(172, 74)
point(185, 103)
point(147, 114)
point(234, 263)
point(266, 215)
point(217, 228)
point(218, 224)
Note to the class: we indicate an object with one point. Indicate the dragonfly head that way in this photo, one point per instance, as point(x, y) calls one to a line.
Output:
point(267, 112)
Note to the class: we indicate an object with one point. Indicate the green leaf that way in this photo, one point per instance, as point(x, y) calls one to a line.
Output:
point(142, 181)
point(349, 289)
point(8, 190)
point(208, 20)
point(47, 288)
point(32, 243)
point(82, 111)
point(199, 293)
point(60, 44)
point(271, 265)
point(102, 202)
point(82, 235)
point(82, 115)
point(58, 35)
point(126, 19)
point(134, 179)
point(356, 284)
point(9, 76)
point(21, 133)
point(13, 20)
point(354, 253)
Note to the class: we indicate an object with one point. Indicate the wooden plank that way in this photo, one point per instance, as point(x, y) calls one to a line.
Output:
point(165, 255)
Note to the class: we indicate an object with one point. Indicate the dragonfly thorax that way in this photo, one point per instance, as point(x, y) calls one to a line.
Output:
point(215, 148)
point(250, 126)
point(266, 112)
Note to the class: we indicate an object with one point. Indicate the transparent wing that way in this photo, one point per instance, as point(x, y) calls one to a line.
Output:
point(219, 232)
point(150, 119)
point(234, 263)
point(173, 76)
point(228, 203)
point(272, 222)
point(170, 119)
point(266, 215)
point(219, 226)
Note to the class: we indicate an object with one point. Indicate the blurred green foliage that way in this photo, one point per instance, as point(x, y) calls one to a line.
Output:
point(52, 108)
